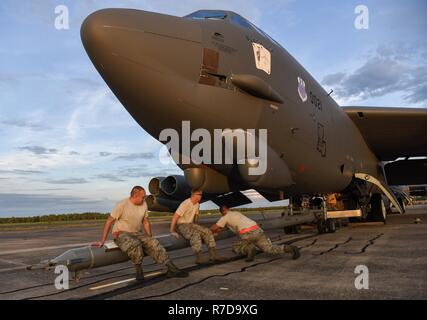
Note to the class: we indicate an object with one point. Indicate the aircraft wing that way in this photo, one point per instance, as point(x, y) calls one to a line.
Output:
point(392, 132)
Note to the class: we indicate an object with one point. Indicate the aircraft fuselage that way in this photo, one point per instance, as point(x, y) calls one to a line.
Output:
point(167, 69)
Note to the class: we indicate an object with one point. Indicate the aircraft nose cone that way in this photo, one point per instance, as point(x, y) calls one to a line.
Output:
point(95, 35)
point(133, 34)
point(149, 60)
point(90, 29)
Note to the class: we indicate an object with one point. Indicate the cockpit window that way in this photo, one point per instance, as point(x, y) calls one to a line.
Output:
point(240, 21)
point(231, 17)
point(266, 35)
point(208, 14)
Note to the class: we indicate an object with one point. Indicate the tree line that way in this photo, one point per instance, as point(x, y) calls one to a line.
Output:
point(56, 218)
point(97, 216)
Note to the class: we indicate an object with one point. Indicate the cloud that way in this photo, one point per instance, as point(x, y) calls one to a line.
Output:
point(25, 124)
point(419, 94)
point(23, 172)
point(105, 154)
point(136, 156)
point(87, 104)
point(38, 150)
point(33, 204)
point(68, 181)
point(334, 78)
point(74, 153)
point(133, 172)
point(139, 172)
point(391, 69)
point(43, 160)
point(109, 177)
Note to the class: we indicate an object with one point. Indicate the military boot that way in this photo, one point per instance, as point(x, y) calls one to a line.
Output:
point(139, 273)
point(251, 252)
point(214, 257)
point(200, 259)
point(293, 250)
point(174, 271)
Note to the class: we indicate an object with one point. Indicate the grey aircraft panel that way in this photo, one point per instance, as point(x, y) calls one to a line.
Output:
point(392, 132)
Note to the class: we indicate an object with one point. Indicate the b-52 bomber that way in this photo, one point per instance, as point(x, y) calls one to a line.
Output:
point(214, 69)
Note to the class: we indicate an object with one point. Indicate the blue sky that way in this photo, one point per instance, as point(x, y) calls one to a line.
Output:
point(67, 144)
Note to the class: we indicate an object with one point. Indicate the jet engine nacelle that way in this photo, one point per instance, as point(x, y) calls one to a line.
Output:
point(154, 186)
point(161, 204)
point(176, 186)
point(208, 180)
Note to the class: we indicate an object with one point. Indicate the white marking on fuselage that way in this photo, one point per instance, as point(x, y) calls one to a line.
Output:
point(262, 57)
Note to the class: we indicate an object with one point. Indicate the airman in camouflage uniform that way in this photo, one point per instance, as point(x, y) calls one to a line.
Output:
point(196, 234)
point(256, 239)
point(137, 243)
point(251, 236)
point(185, 221)
point(130, 217)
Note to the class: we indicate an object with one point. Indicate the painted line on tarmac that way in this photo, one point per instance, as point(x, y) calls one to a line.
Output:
point(14, 269)
point(18, 265)
point(75, 245)
point(149, 275)
point(13, 262)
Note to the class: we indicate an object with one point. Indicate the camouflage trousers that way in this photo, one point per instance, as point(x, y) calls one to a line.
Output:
point(136, 244)
point(195, 234)
point(258, 239)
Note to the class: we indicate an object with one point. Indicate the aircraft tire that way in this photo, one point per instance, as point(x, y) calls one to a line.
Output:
point(378, 210)
point(321, 227)
point(331, 226)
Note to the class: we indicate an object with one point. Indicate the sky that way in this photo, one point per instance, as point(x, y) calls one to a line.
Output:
point(68, 145)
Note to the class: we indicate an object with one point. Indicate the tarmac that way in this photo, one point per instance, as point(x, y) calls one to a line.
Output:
point(393, 258)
